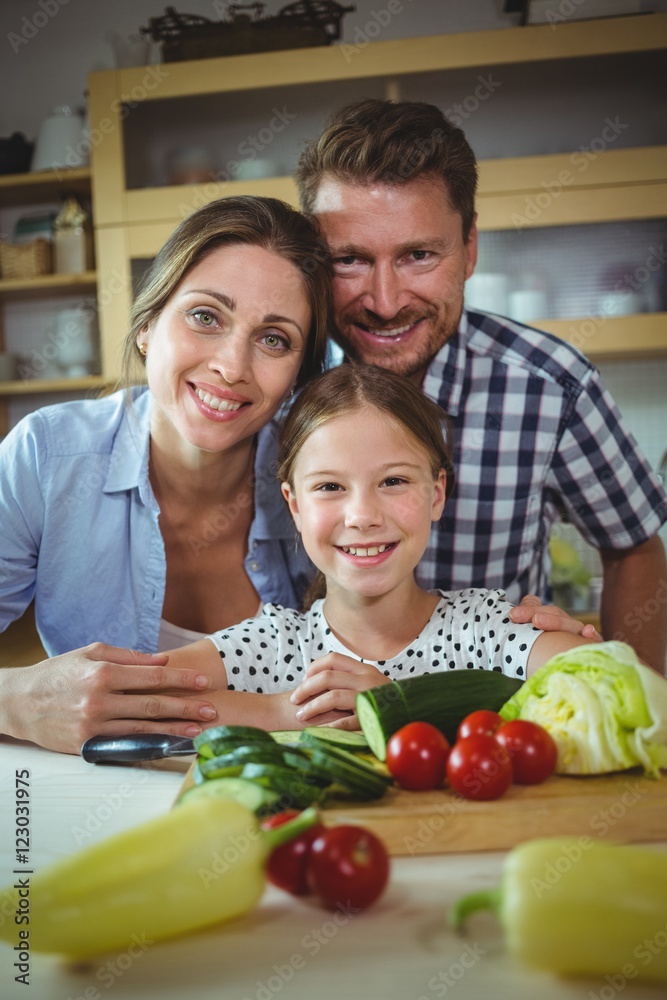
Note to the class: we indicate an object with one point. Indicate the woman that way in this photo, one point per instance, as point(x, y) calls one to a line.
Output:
point(154, 521)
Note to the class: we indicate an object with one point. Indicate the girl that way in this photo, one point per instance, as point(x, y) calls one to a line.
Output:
point(365, 469)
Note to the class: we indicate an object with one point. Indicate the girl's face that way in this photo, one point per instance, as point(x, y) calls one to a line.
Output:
point(226, 349)
point(364, 499)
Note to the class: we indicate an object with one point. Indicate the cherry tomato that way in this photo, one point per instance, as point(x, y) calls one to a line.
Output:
point(416, 756)
point(287, 866)
point(482, 721)
point(532, 749)
point(479, 768)
point(348, 866)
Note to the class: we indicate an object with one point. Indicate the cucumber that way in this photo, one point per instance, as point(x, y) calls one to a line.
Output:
point(260, 800)
point(343, 738)
point(443, 699)
point(216, 741)
point(354, 774)
point(212, 766)
point(290, 737)
point(285, 781)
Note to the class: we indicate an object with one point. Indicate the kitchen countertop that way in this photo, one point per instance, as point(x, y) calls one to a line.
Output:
point(400, 949)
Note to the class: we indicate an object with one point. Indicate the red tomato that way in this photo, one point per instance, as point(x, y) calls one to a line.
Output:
point(348, 866)
point(479, 768)
point(482, 721)
point(287, 866)
point(416, 756)
point(532, 749)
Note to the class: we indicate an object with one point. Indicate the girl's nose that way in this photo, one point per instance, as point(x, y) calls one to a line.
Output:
point(363, 512)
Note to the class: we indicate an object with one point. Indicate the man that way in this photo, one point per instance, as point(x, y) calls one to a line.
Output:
point(538, 438)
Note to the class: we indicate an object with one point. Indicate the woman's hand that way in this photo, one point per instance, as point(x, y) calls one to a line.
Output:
point(331, 684)
point(550, 618)
point(101, 690)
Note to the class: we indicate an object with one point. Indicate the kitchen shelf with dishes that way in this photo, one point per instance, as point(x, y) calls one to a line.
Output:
point(516, 85)
point(35, 288)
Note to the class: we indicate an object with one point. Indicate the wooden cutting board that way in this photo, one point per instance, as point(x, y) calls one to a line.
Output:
point(623, 807)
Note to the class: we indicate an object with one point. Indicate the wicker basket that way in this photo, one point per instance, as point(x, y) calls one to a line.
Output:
point(25, 260)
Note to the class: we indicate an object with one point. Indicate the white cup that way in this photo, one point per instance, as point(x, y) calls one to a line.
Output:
point(487, 292)
point(76, 341)
point(526, 305)
point(59, 143)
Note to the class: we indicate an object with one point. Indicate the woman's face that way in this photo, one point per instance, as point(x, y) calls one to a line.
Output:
point(226, 349)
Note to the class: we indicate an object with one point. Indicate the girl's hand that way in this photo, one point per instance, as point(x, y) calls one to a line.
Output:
point(101, 690)
point(331, 684)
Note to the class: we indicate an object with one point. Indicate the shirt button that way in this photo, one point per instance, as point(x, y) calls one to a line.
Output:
point(253, 565)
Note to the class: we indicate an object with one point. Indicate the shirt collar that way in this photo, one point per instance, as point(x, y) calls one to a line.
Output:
point(445, 374)
point(272, 517)
point(128, 464)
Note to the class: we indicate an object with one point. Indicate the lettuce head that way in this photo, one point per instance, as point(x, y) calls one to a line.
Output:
point(605, 710)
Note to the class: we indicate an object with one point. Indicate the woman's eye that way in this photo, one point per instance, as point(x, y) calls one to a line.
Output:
point(275, 340)
point(204, 317)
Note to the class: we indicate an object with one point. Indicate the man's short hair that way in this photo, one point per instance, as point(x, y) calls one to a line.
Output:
point(389, 142)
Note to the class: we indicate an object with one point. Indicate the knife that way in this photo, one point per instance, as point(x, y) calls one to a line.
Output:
point(145, 746)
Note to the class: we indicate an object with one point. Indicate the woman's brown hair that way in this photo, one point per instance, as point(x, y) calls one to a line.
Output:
point(244, 221)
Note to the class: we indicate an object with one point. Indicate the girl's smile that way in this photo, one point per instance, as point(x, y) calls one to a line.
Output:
point(364, 498)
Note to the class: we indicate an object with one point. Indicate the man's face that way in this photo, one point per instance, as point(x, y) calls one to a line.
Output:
point(400, 263)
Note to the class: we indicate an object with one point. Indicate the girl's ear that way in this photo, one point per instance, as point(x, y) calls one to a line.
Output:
point(439, 496)
point(286, 490)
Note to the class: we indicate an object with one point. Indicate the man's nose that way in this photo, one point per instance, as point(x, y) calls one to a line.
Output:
point(385, 295)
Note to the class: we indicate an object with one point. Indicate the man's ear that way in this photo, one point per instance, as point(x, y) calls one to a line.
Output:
point(439, 496)
point(471, 248)
point(286, 491)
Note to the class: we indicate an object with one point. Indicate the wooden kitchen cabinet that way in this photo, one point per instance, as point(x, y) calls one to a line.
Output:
point(134, 215)
point(30, 190)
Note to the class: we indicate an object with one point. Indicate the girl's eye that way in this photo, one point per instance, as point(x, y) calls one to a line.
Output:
point(276, 341)
point(327, 488)
point(394, 481)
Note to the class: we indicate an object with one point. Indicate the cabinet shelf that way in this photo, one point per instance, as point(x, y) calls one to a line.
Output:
point(47, 285)
point(43, 186)
point(20, 387)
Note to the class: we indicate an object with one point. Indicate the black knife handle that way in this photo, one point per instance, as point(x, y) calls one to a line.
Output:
point(126, 749)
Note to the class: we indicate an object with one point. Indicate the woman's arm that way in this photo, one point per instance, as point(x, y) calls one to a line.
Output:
point(61, 702)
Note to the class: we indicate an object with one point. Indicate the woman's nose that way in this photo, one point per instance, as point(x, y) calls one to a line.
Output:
point(232, 358)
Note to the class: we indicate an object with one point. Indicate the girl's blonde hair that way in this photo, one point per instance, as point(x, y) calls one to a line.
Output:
point(240, 221)
point(350, 387)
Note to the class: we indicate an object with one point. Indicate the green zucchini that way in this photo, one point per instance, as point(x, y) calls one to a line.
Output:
point(328, 735)
point(442, 699)
point(248, 793)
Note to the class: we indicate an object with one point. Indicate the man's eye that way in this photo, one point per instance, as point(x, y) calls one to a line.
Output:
point(421, 254)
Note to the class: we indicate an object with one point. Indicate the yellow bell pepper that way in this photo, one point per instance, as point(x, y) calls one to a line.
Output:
point(197, 865)
point(577, 906)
